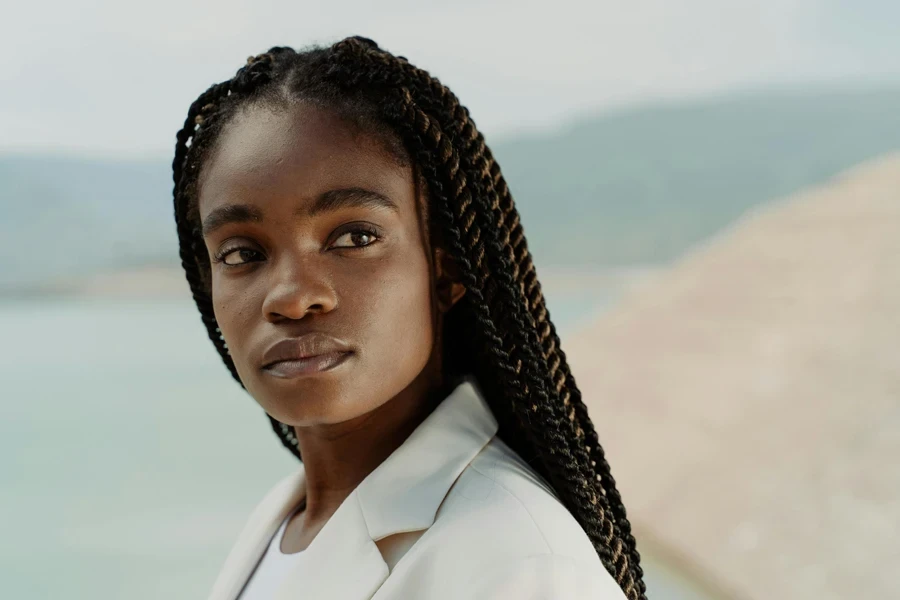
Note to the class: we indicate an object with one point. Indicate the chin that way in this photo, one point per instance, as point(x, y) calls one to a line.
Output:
point(305, 401)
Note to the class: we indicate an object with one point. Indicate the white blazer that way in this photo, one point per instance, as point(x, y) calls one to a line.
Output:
point(452, 513)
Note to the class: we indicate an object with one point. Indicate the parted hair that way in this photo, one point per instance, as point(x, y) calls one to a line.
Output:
point(500, 330)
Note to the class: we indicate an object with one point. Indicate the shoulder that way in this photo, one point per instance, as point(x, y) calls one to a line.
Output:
point(503, 524)
point(499, 483)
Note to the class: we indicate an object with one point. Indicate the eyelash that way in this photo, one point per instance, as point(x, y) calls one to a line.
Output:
point(219, 256)
point(367, 229)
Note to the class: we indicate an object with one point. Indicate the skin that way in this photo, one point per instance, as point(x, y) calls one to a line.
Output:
point(288, 272)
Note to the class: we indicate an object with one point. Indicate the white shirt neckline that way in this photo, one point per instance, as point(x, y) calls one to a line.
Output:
point(274, 566)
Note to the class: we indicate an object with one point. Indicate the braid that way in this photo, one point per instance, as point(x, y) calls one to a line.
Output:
point(514, 248)
point(506, 328)
point(562, 376)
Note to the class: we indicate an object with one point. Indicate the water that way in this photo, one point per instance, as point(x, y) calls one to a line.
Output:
point(129, 458)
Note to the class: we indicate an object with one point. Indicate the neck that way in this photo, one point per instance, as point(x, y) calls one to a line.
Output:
point(337, 457)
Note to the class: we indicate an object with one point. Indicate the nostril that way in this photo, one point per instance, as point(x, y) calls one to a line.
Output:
point(293, 300)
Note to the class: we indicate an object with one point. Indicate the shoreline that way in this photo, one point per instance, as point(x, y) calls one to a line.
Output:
point(168, 283)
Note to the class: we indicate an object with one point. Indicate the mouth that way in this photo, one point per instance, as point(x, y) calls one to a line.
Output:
point(306, 366)
point(310, 354)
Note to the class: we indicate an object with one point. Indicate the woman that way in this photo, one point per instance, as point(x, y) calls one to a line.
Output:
point(360, 266)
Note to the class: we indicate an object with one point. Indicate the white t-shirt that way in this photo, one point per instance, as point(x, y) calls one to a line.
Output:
point(273, 567)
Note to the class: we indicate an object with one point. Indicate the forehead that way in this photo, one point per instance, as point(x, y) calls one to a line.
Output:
point(300, 150)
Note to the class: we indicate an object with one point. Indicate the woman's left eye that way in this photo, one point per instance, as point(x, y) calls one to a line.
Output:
point(359, 238)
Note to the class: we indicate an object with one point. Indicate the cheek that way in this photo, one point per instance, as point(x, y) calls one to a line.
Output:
point(395, 313)
point(233, 309)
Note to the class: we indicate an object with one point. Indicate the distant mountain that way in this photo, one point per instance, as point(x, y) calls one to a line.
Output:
point(64, 217)
point(631, 187)
point(641, 186)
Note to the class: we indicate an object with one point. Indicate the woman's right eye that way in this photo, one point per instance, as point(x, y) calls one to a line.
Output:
point(238, 256)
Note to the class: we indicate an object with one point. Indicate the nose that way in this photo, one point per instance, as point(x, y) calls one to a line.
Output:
point(298, 288)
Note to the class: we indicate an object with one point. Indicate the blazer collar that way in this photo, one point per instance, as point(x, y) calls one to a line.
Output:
point(405, 491)
point(402, 494)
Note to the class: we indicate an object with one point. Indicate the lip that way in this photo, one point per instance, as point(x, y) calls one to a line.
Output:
point(305, 355)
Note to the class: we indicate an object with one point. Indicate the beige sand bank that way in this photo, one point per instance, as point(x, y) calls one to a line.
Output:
point(749, 397)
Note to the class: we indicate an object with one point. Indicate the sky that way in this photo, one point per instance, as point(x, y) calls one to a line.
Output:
point(114, 78)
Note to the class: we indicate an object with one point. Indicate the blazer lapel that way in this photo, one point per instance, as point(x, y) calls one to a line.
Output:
point(341, 562)
point(405, 491)
point(253, 540)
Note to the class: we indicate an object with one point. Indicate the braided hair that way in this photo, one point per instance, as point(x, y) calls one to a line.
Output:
point(500, 330)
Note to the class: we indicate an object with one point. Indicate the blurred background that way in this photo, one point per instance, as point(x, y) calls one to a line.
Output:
point(710, 189)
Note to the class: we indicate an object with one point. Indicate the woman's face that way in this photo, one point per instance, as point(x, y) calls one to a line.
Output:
point(314, 230)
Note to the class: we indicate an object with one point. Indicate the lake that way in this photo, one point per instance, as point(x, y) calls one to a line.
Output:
point(130, 458)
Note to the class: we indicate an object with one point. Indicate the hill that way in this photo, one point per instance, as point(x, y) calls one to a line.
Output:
point(641, 186)
point(630, 187)
point(66, 217)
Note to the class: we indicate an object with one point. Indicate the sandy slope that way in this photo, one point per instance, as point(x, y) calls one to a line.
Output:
point(749, 398)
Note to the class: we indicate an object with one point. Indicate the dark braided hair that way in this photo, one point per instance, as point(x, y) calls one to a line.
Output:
point(500, 330)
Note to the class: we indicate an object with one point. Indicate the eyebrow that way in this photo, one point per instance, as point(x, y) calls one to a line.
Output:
point(353, 197)
point(329, 201)
point(230, 213)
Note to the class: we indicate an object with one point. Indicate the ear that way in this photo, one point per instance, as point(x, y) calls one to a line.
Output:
point(447, 280)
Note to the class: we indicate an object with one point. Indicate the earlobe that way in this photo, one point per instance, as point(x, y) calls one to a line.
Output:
point(448, 287)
